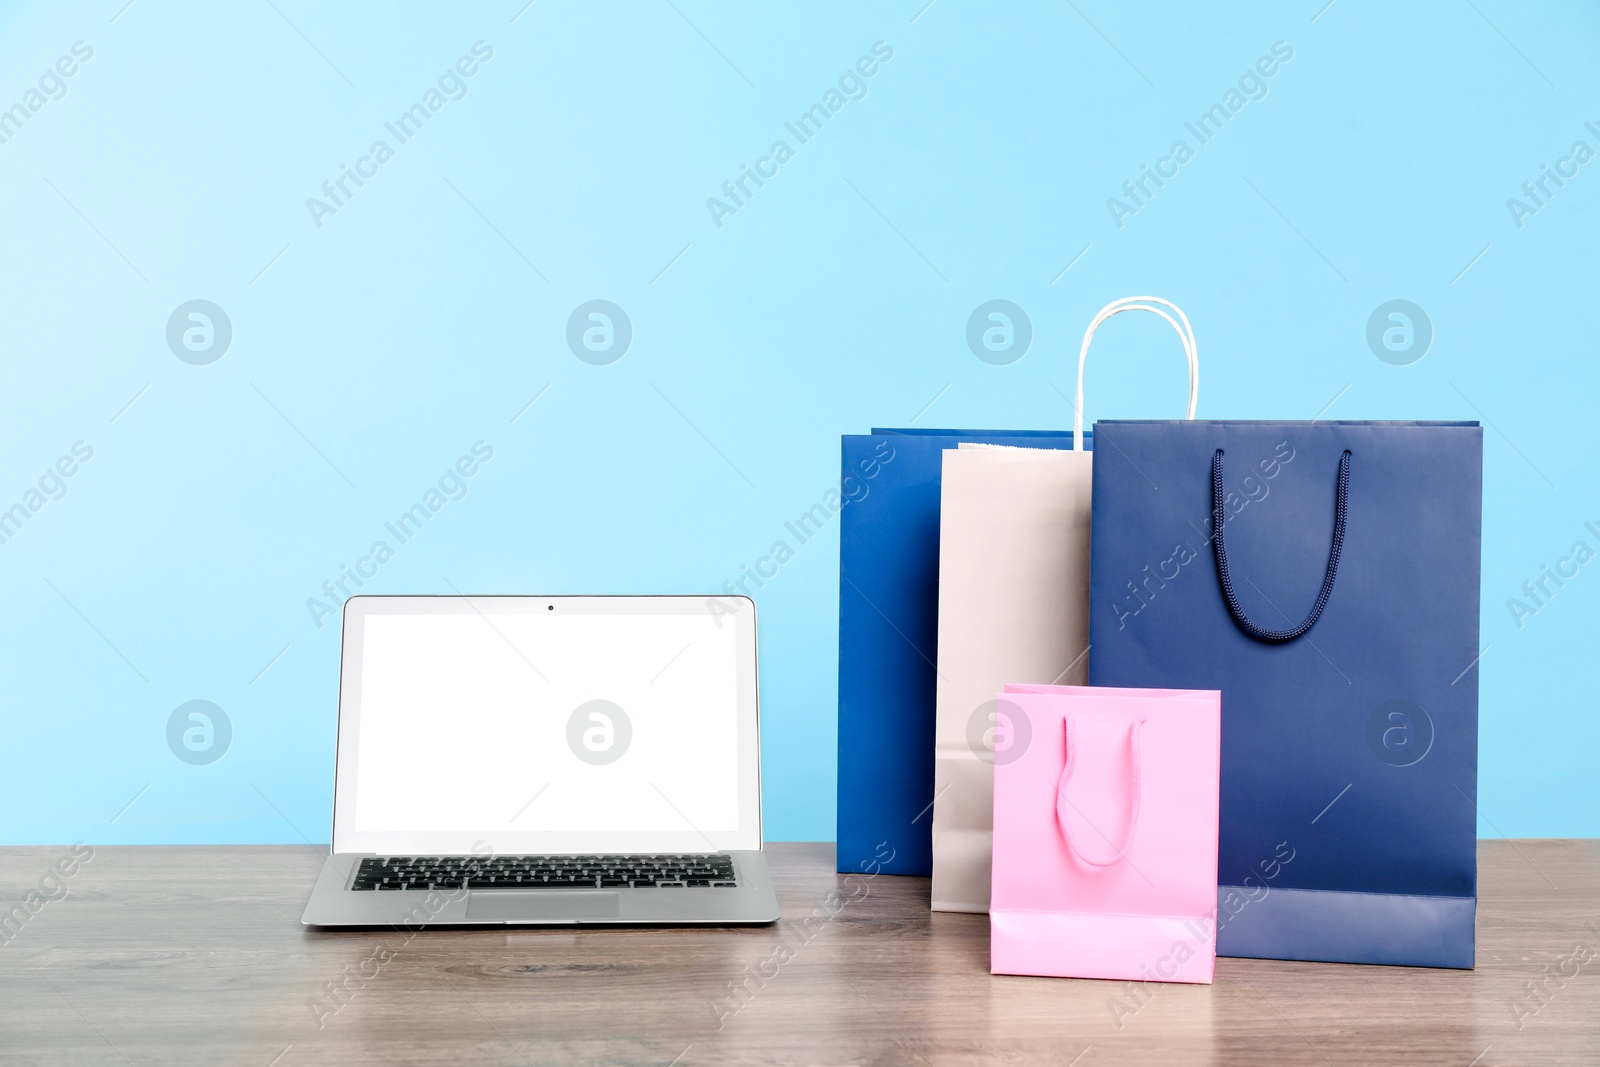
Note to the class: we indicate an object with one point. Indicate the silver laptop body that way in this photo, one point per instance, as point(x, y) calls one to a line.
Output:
point(510, 760)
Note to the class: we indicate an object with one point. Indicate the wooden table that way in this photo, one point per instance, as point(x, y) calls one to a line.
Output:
point(196, 955)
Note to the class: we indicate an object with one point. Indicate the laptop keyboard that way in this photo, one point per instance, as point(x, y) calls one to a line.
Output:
point(700, 871)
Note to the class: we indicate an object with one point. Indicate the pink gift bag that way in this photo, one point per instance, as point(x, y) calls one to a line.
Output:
point(1105, 833)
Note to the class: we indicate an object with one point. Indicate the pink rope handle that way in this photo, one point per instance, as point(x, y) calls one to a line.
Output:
point(1070, 741)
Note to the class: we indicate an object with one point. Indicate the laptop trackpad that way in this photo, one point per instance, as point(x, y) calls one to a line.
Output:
point(502, 905)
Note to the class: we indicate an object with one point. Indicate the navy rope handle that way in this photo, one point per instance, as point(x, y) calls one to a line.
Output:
point(1219, 518)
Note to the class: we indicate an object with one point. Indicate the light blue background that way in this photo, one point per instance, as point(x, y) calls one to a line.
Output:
point(978, 166)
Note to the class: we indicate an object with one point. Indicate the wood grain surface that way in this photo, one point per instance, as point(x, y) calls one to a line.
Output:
point(196, 955)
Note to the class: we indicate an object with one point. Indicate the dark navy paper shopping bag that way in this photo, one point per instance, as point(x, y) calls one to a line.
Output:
point(1325, 577)
point(888, 630)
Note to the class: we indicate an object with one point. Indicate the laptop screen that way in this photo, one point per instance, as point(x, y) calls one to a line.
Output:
point(567, 724)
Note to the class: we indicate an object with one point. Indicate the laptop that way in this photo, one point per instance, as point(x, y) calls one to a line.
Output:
point(528, 761)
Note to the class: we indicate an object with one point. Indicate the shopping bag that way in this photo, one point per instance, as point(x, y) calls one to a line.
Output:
point(1013, 607)
point(1105, 834)
point(888, 603)
point(1325, 577)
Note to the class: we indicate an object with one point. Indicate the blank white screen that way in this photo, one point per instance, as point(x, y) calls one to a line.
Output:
point(464, 723)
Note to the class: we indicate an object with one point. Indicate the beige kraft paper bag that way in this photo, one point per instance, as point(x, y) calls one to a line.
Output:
point(1013, 609)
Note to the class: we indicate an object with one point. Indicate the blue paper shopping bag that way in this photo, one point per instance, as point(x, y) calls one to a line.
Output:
point(1325, 577)
point(888, 630)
